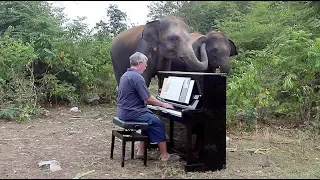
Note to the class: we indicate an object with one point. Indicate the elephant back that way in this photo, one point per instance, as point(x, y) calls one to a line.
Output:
point(123, 46)
point(128, 37)
point(195, 36)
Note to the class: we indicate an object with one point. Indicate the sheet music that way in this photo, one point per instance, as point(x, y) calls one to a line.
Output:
point(164, 87)
point(189, 91)
point(172, 89)
point(176, 89)
point(184, 90)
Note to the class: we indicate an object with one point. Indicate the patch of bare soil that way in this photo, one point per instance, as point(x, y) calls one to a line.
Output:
point(81, 143)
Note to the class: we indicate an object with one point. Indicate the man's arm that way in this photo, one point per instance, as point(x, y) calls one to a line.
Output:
point(155, 102)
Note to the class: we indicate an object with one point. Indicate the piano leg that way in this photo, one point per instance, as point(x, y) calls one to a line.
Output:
point(171, 143)
point(189, 145)
point(192, 164)
point(198, 130)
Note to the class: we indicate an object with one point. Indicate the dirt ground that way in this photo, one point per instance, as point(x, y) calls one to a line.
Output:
point(81, 143)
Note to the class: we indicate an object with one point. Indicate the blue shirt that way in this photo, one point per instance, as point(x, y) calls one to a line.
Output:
point(132, 94)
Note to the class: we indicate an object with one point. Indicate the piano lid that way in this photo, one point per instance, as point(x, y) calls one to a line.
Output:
point(191, 73)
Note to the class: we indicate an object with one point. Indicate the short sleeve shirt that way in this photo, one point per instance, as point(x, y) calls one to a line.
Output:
point(132, 94)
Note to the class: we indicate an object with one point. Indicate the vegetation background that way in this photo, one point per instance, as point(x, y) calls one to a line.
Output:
point(276, 75)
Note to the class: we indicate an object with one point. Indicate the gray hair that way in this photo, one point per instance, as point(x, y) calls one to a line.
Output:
point(136, 58)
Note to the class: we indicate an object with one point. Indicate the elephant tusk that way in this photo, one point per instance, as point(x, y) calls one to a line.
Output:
point(154, 49)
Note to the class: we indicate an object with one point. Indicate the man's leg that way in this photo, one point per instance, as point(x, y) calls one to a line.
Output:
point(163, 150)
point(141, 149)
point(156, 134)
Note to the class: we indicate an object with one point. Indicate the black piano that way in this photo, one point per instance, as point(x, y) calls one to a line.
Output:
point(197, 125)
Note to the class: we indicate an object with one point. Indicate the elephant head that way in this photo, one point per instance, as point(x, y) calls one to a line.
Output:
point(219, 49)
point(161, 41)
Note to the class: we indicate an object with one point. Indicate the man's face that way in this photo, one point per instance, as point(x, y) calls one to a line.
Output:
point(142, 66)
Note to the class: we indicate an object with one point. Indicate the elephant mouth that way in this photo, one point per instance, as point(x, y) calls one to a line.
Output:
point(214, 69)
point(217, 69)
point(171, 54)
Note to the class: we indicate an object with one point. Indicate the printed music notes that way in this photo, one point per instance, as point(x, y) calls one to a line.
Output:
point(177, 89)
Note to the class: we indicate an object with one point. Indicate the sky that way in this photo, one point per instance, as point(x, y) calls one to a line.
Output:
point(96, 10)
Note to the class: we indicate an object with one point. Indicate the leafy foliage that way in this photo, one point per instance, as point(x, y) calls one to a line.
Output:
point(160, 9)
point(211, 14)
point(268, 20)
point(276, 74)
point(201, 16)
point(44, 61)
point(116, 24)
point(16, 79)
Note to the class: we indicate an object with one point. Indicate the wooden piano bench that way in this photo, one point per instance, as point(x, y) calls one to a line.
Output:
point(128, 133)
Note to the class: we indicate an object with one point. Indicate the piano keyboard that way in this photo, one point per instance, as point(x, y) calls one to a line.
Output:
point(165, 110)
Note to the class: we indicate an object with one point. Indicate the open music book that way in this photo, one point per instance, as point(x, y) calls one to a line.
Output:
point(177, 89)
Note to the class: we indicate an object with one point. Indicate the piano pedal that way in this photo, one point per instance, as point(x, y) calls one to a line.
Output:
point(195, 155)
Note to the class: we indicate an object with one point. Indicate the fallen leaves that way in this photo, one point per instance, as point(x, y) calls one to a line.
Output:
point(258, 150)
point(252, 150)
point(80, 175)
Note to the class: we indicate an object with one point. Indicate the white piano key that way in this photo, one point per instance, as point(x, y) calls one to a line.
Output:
point(165, 110)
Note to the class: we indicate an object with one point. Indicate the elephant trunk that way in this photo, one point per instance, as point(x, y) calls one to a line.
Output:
point(192, 61)
point(225, 67)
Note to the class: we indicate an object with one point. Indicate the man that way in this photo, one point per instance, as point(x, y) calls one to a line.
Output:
point(133, 95)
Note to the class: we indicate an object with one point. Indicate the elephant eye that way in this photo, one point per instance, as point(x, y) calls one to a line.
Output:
point(214, 51)
point(173, 38)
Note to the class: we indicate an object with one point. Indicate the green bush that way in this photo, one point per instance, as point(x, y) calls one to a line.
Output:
point(277, 82)
point(18, 92)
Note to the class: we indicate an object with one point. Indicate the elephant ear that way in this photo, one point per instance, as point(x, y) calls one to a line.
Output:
point(233, 50)
point(150, 33)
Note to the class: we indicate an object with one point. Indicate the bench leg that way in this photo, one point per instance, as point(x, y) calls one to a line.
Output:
point(145, 152)
point(123, 152)
point(112, 145)
point(132, 149)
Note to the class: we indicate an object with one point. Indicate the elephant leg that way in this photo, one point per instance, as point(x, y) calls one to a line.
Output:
point(147, 80)
point(148, 75)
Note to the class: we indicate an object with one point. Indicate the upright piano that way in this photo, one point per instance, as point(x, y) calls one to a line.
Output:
point(197, 124)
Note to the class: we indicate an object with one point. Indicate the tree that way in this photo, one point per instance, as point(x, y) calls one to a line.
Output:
point(30, 18)
point(201, 16)
point(77, 28)
point(116, 24)
point(160, 9)
point(204, 16)
point(102, 29)
point(117, 20)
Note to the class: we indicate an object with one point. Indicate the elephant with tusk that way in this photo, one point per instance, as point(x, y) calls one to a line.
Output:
point(162, 41)
point(219, 49)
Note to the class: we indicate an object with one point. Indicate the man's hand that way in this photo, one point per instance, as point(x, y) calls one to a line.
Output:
point(166, 105)
point(155, 102)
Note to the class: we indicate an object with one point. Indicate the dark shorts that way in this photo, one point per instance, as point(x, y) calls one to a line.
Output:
point(155, 132)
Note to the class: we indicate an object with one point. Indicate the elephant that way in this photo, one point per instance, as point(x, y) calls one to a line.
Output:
point(161, 41)
point(219, 50)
